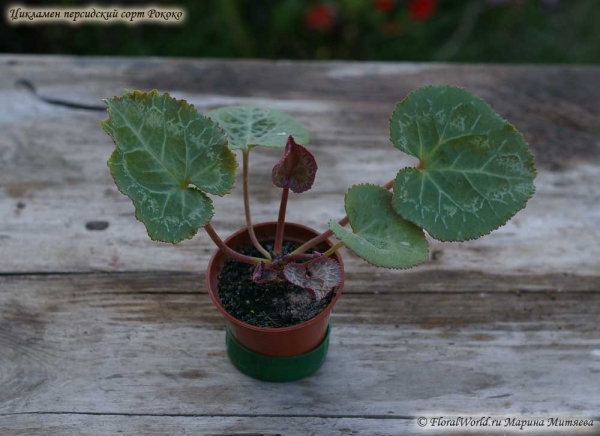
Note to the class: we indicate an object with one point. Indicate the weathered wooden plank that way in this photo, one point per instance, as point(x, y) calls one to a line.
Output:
point(553, 106)
point(94, 425)
point(53, 163)
point(341, 101)
point(97, 344)
point(543, 248)
point(356, 282)
point(504, 325)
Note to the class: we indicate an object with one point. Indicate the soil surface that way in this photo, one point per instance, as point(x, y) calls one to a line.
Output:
point(276, 304)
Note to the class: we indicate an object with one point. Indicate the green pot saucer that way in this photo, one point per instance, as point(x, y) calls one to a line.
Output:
point(276, 369)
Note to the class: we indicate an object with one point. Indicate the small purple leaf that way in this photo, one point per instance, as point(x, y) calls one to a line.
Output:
point(264, 273)
point(296, 169)
point(319, 276)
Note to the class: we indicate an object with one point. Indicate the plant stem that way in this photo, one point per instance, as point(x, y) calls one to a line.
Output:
point(333, 249)
point(281, 221)
point(318, 239)
point(263, 251)
point(229, 252)
point(389, 185)
point(327, 234)
point(300, 256)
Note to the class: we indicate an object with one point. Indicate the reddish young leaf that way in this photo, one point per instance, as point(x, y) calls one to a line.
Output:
point(264, 273)
point(296, 169)
point(319, 276)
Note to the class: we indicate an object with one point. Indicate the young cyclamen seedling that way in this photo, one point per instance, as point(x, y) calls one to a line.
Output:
point(296, 171)
point(475, 172)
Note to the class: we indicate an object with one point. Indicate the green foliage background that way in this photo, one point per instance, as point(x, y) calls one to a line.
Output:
point(532, 31)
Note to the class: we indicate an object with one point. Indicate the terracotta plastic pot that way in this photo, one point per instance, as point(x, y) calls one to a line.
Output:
point(275, 342)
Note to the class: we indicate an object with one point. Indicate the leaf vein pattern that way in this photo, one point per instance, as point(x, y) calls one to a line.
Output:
point(137, 134)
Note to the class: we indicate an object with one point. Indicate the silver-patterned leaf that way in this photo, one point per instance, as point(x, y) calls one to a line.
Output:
point(252, 125)
point(319, 276)
point(167, 157)
point(379, 235)
point(475, 170)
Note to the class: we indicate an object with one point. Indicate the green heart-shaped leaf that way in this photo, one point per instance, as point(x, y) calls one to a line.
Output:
point(380, 235)
point(248, 126)
point(167, 156)
point(475, 170)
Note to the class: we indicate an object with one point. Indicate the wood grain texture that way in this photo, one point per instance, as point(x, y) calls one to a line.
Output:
point(85, 425)
point(53, 161)
point(103, 331)
point(96, 343)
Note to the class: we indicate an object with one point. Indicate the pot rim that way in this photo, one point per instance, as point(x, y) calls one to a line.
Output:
point(324, 313)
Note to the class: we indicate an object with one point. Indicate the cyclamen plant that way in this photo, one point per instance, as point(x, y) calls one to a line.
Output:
point(475, 172)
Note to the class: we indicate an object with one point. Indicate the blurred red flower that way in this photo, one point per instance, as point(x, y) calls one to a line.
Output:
point(320, 17)
point(392, 28)
point(385, 6)
point(421, 10)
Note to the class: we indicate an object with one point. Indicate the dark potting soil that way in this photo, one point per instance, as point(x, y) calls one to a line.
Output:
point(275, 304)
